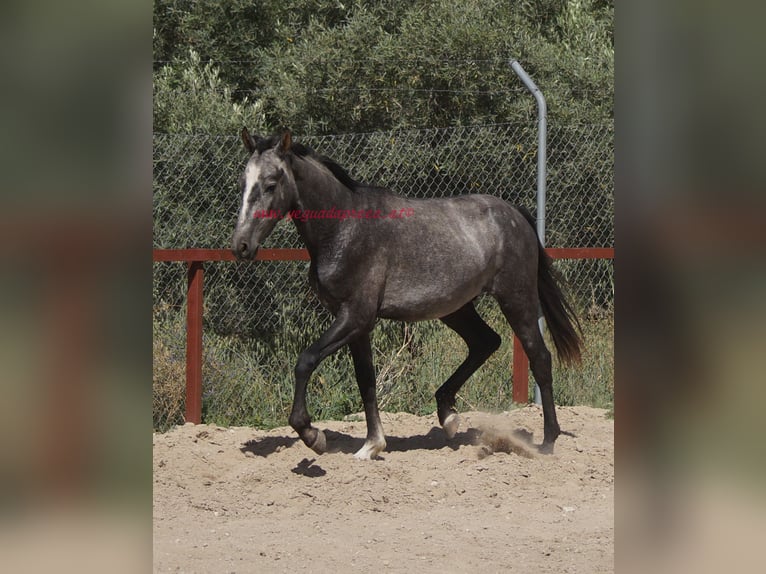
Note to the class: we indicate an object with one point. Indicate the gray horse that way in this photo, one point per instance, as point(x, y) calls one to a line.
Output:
point(375, 254)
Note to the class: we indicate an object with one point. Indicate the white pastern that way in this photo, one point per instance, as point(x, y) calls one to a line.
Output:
point(369, 451)
point(451, 424)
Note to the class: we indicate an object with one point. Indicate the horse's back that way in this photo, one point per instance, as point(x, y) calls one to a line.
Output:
point(475, 229)
point(448, 252)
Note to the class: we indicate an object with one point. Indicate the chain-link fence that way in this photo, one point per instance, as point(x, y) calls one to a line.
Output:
point(196, 196)
point(196, 201)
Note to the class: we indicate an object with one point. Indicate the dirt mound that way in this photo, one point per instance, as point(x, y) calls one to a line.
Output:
point(243, 500)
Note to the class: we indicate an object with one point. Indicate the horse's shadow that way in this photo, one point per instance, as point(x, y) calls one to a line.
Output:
point(434, 439)
point(339, 442)
point(267, 445)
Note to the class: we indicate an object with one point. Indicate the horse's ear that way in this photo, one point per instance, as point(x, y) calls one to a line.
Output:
point(286, 143)
point(248, 140)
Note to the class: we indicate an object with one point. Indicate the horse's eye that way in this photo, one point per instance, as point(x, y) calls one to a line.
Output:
point(270, 188)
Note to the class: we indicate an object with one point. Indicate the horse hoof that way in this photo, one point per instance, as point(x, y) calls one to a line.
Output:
point(545, 448)
point(367, 452)
point(451, 424)
point(319, 445)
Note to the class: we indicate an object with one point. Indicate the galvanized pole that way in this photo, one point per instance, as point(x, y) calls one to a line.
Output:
point(542, 157)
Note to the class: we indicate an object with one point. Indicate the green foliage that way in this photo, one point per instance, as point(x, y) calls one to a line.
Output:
point(235, 32)
point(191, 98)
point(325, 66)
point(446, 63)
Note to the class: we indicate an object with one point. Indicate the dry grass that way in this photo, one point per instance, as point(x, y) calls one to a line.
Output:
point(250, 382)
point(168, 386)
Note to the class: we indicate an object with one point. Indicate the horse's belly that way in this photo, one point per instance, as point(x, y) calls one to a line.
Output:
point(419, 302)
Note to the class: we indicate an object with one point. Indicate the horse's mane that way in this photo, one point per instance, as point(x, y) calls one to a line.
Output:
point(302, 150)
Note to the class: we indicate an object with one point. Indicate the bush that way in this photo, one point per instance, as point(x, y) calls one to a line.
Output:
point(250, 382)
point(169, 369)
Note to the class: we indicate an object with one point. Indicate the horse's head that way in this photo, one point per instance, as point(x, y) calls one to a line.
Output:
point(268, 191)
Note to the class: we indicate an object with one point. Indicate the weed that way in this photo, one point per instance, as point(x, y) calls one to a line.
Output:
point(249, 381)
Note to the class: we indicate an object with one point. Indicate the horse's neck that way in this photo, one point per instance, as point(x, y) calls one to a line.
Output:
point(318, 191)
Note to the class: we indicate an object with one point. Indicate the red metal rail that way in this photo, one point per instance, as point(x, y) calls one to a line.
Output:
point(195, 259)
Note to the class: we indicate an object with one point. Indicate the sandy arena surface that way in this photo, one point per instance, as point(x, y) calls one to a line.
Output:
point(243, 500)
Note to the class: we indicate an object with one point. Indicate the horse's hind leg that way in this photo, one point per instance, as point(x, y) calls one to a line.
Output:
point(523, 319)
point(482, 341)
point(361, 351)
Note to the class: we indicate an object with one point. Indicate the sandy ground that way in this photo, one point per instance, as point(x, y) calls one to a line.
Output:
point(242, 500)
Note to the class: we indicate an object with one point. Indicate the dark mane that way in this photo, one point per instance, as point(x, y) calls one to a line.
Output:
point(339, 172)
point(302, 150)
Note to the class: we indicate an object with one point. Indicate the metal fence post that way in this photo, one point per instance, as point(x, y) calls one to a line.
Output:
point(194, 343)
point(542, 145)
point(542, 158)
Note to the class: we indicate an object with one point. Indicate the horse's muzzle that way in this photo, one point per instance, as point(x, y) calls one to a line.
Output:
point(244, 251)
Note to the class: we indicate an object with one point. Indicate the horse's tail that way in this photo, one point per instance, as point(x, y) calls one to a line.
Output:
point(560, 317)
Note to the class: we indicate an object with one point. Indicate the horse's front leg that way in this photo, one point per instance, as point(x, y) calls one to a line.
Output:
point(361, 351)
point(343, 329)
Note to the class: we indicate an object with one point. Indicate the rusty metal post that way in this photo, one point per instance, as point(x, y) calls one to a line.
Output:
point(520, 390)
point(194, 343)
